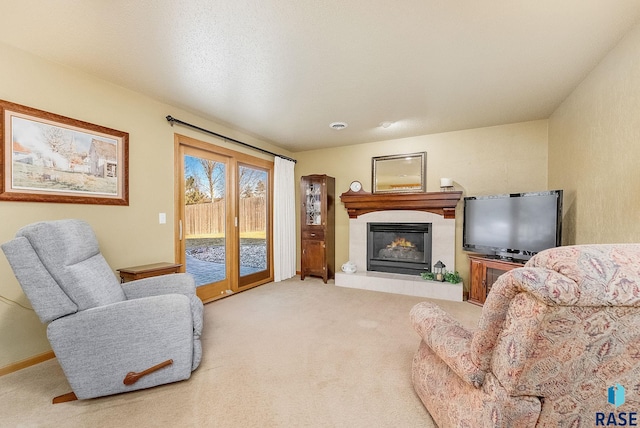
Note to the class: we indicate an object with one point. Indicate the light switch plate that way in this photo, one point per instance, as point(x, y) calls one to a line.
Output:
point(162, 218)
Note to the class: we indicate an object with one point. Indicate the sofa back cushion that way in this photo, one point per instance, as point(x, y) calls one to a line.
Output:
point(68, 250)
point(602, 275)
point(570, 355)
point(563, 327)
point(582, 276)
point(44, 293)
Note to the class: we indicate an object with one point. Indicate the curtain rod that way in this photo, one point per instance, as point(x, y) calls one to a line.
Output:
point(173, 120)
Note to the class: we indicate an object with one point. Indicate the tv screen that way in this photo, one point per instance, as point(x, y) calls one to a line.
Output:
point(514, 226)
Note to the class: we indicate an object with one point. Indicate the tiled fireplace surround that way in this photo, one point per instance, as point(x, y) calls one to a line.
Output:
point(443, 248)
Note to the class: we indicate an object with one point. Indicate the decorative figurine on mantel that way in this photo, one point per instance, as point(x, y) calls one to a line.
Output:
point(446, 184)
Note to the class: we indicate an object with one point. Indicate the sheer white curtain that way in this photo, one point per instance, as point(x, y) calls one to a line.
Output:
point(284, 226)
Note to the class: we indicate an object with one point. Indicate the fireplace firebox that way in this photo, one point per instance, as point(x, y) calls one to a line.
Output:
point(399, 247)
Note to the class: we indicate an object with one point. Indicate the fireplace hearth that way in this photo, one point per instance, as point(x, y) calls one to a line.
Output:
point(443, 236)
point(399, 247)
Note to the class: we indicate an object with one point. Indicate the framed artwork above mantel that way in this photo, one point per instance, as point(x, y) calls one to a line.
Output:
point(45, 157)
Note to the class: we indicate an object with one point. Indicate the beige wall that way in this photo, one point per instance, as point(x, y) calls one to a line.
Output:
point(590, 149)
point(128, 235)
point(499, 159)
point(594, 148)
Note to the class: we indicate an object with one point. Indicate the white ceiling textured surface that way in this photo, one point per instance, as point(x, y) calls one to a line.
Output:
point(283, 70)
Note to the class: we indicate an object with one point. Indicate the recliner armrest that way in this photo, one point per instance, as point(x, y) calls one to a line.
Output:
point(448, 339)
point(177, 283)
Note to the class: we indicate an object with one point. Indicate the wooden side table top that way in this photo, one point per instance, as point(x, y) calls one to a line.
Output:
point(146, 271)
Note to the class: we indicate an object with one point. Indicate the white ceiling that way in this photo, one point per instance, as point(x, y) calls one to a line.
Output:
point(283, 70)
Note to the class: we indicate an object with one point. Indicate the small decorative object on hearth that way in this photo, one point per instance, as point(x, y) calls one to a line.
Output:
point(446, 185)
point(349, 267)
point(438, 270)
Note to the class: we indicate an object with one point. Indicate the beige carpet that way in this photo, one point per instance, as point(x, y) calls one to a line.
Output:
point(291, 354)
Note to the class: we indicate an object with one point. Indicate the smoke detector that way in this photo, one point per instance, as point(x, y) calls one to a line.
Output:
point(338, 125)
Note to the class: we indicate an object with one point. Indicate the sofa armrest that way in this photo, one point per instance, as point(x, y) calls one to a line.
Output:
point(177, 283)
point(448, 339)
point(96, 348)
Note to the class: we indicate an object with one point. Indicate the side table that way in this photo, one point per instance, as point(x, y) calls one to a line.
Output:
point(145, 271)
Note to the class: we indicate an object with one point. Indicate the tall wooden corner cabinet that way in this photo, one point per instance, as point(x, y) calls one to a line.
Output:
point(484, 272)
point(317, 226)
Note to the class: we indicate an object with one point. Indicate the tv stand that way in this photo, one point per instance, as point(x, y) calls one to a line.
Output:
point(484, 271)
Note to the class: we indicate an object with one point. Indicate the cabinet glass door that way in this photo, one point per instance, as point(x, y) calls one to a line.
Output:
point(492, 277)
point(313, 204)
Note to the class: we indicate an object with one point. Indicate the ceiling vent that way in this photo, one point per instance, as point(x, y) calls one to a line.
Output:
point(338, 125)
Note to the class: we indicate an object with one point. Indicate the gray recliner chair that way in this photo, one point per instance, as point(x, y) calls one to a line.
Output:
point(108, 337)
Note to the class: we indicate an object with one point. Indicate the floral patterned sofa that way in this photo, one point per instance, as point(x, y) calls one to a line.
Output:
point(553, 338)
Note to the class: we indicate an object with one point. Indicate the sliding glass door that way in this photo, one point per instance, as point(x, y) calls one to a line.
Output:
point(223, 218)
point(204, 224)
point(253, 215)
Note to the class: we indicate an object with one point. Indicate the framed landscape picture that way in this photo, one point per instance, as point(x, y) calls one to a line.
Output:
point(52, 158)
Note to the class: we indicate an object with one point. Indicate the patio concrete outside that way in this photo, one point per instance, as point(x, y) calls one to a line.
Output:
point(204, 272)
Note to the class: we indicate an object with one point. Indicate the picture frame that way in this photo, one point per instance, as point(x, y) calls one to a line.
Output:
point(404, 173)
point(46, 157)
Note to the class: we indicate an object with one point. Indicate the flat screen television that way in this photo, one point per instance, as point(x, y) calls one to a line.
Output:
point(512, 226)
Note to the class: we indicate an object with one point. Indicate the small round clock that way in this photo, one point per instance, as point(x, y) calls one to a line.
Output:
point(355, 186)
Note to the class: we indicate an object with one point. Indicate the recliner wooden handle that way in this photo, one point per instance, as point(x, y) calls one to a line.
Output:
point(133, 377)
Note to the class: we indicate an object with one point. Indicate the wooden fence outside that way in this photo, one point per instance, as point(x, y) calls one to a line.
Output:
point(209, 219)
